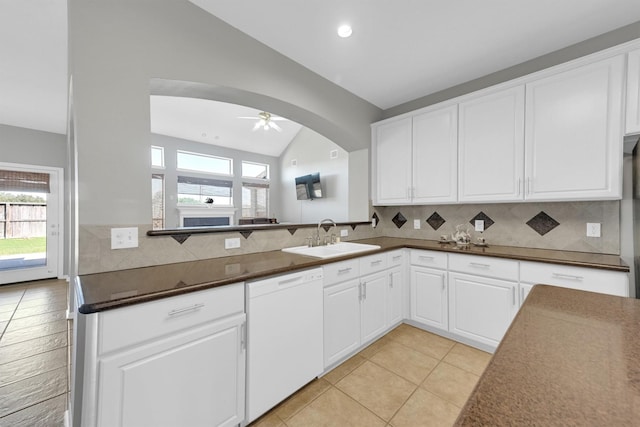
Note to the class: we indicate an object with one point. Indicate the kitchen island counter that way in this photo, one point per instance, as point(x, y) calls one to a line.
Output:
point(569, 358)
point(104, 291)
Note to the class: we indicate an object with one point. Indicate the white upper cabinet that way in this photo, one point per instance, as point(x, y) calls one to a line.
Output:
point(633, 93)
point(435, 144)
point(392, 163)
point(491, 147)
point(573, 133)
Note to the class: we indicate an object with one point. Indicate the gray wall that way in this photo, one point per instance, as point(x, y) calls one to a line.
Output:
point(586, 47)
point(311, 152)
point(172, 144)
point(117, 47)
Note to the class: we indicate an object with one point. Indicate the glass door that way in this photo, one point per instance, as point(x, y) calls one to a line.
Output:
point(30, 214)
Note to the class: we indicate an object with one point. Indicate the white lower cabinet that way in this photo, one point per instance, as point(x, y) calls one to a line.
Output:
point(174, 361)
point(395, 296)
point(373, 316)
point(525, 288)
point(429, 297)
point(193, 378)
point(481, 308)
point(341, 320)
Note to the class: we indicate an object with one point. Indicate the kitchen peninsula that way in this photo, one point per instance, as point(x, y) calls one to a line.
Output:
point(569, 358)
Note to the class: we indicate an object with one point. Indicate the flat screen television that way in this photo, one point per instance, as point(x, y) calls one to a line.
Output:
point(308, 187)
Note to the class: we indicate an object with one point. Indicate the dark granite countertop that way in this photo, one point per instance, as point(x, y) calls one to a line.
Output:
point(570, 358)
point(103, 291)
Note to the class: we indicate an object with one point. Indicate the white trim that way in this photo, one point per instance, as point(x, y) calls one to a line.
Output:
point(56, 173)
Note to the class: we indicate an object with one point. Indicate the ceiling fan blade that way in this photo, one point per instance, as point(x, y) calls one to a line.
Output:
point(252, 118)
point(279, 118)
point(275, 126)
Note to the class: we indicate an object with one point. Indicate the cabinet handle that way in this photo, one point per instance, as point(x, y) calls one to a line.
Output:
point(519, 188)
point(243, 336)
point(397, 257)
point(364, 291)
point(430, 258)
point(478, 265)
point(528, 190)
point(359, 291)
point(376, 262)
point(344, 270)
point(522, 294)
point(391, 280)
point(194, 307)
point(566, 276)
point(513, 293)
point(444, 285)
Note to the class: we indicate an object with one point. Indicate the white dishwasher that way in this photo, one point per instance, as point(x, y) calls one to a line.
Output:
point(284, 337)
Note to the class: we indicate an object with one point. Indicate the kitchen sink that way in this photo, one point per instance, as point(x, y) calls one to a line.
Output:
point(330, 251)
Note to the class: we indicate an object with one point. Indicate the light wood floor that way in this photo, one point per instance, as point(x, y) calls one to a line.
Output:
point(34, 353)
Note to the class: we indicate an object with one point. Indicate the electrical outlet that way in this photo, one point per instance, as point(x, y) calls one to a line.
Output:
point(344, 232)
point(593, 229)
point(479, 224)
point(232, 243)
point(416, 224)
point(122, 238)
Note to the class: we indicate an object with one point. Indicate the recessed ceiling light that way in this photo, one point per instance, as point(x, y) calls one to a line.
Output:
point(344, 31)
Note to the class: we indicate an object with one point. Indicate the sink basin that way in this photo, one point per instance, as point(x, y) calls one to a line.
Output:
point(330, 251)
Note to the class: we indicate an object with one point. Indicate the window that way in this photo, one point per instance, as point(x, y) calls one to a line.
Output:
point(255, 170)
point(192, 190)
point(157, 201)
point(255, 200)
point(157, 157)
point(204, 163)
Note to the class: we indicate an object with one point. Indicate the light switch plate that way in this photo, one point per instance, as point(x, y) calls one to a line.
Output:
point(123, 238)
point(416, 224)
point(232, 243)
point(479, 225)
point(593, 229)
point(344, 232)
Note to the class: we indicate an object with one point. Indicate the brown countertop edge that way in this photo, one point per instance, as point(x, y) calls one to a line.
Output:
point(570, 357)
point(104, 291)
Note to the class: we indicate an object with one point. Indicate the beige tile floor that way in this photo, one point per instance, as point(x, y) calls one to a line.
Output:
point(34, 353)
point(409, 377)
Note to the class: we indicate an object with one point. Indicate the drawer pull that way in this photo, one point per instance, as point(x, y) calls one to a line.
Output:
point(478, 265)
point(513, 293)
point(391, 280)
point(344, 270)
point(397, 257)
point(428, 258)
point(376, 262)
point(194, 307)
point(566, 276)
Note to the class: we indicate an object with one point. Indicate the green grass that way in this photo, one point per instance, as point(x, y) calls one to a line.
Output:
point(23, 246)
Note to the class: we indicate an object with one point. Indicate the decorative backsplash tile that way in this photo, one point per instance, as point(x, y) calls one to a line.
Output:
point(488, 222)
point(435, 221)
point(375, 219)
point(181, 238)
point(399, 220)
point(542, 223)
point(292, 231)
point(246, 234)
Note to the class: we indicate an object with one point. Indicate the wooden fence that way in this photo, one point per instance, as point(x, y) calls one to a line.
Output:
point(22, 220)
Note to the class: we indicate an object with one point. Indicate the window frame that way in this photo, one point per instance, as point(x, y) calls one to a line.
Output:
point(162, 157)
point(192, 153)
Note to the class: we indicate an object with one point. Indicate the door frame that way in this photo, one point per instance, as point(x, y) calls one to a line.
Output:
point(56, 178)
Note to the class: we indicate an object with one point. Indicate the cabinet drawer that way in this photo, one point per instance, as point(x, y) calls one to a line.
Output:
point(340, 271)
point(429, 258)
point(141, 322)
point(372, 263)
point(484, 266)
point(585, 279)
point(395, 257)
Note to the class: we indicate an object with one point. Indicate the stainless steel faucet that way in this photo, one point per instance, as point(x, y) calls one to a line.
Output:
point(318, 242)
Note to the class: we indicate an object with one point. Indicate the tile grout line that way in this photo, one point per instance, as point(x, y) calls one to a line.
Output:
point(32, 405)
point(12, 314)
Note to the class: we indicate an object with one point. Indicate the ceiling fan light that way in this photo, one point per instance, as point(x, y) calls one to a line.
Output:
point(345, 31)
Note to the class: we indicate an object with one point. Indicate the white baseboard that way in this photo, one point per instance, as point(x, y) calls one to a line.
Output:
point(70, 315)
point(66, 419)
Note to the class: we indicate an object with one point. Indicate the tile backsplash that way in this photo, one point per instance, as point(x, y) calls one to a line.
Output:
point(550, 225)
point(535, 225)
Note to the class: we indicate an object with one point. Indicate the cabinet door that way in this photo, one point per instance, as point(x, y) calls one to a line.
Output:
point(193, 378)
point(429, 297)
point(435, 164)
point(373, 319)
point(394, 296)
point(573, 134)
point(481, 308)
point(491, 147)
point(633, 93)
point(525, 288)
point(341, 320)
point(392, 163)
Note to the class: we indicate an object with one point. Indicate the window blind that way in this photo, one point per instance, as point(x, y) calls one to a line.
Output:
point(29, 182)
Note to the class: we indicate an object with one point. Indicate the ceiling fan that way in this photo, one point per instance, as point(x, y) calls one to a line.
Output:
point(265, 121)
